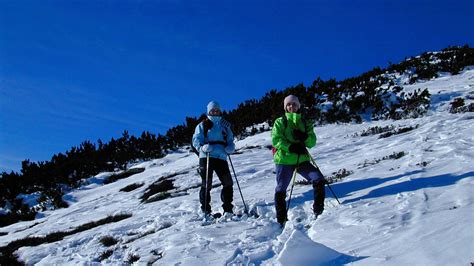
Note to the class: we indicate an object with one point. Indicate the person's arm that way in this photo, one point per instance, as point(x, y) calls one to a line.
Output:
point(311, 140)
point(230, 148)
point(279, 139)
point(198, 136)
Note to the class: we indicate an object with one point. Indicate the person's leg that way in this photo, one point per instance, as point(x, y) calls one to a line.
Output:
point(310, 173)
point(283, 178)
point(203, 198)
point(227, 193)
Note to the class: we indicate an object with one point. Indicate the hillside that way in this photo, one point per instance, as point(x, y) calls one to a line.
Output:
point(406, 188)
point(378, 94)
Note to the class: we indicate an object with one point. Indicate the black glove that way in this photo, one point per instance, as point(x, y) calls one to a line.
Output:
point(207, 124)
point(297, 148)
point(300, 135)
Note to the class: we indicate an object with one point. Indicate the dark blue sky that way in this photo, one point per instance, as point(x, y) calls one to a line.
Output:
point(83, 70)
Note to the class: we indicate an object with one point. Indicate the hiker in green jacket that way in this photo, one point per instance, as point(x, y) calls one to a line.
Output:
point(291, 135)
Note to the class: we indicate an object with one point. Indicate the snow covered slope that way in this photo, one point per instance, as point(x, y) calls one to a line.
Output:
point(408, 201)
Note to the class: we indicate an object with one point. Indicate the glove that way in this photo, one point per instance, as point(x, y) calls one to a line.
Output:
point(229, 149)
point(206, 148)
point(207, 124)
point(300, 135)
point(297, 148)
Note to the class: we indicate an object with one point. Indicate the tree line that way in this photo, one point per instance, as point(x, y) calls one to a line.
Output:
point(376, 94)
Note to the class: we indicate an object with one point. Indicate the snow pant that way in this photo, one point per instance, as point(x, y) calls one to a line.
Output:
point(222, 170)
point(284, 173)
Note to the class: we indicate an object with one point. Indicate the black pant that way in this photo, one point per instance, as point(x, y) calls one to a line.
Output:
point(222, 170)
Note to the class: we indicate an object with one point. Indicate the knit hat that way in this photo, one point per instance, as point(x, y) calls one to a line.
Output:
point(291, 99)
point(213, 105)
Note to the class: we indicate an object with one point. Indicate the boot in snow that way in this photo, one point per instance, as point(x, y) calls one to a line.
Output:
point(319, 195)
point(280, 207)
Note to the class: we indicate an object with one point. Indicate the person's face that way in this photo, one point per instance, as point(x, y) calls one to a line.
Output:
point(215, 112)
point(292, 107)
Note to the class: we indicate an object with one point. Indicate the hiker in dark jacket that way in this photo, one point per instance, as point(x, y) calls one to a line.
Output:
point(214, 140)
point(291, 135)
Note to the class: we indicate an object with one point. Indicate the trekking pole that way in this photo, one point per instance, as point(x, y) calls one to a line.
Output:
point(237, 181)
point(207, 180)
point(293, 183)
point(321, 174)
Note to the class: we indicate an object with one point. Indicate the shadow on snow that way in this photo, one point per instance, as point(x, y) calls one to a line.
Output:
point(347, 188)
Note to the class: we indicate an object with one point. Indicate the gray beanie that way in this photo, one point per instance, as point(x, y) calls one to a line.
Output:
point(213, 105)
point(291, 98)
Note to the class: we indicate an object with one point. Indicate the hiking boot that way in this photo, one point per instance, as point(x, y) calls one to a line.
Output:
point(319, 195)
point(318, 209)
point(228, 215)
point(280, 207)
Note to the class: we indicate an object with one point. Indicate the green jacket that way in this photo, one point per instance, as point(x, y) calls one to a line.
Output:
point(282, 138)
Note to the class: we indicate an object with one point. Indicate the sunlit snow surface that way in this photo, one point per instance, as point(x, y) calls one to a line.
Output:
point(416, 210)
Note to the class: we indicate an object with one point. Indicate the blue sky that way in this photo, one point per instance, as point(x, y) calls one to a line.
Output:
point(86, 70)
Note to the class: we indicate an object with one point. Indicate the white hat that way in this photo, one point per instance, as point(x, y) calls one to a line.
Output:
point(213, 105)
point(291, 99)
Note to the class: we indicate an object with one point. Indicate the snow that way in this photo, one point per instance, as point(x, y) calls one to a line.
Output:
point(415, 210)
point(309, 252)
